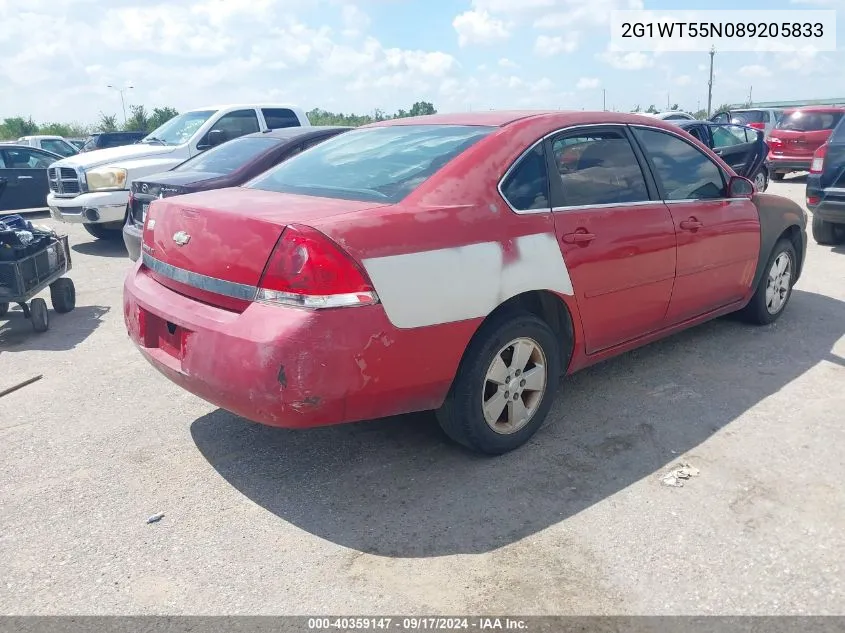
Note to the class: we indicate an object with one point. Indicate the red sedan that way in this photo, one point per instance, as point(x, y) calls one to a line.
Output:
point(453, 262)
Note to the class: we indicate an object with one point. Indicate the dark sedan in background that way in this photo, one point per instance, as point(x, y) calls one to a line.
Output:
point(228, 165)
point(743, 148)
point(23, 177)
point(826, 189)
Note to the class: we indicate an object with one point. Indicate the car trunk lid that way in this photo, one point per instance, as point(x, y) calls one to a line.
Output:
point(213, 245)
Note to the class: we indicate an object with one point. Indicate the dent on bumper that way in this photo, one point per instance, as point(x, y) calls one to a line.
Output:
point(295, 368)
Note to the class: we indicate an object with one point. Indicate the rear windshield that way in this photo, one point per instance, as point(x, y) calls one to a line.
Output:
point(382, 164)
point(226, 158)
point(752, 116)
point(809, 121)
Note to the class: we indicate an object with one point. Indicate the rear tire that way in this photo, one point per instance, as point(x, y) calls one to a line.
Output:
point(104, 231)
point(828, 233)
point(63, 295)
point(39, 315)
point(775, 286)
point(778, 175)
point(505, 384)
point(761, 181)
point(4, 308)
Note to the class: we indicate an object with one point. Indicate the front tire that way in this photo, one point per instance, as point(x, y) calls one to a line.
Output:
point(827, 233)
point(761, 182)
point(104, 231)
point(38, 314)
point(505, 385)
point(775, 287)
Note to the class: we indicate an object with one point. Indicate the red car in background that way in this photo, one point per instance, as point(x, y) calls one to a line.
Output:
point(453, 262)
point(800, 132)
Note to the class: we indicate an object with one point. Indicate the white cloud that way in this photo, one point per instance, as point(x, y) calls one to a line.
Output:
point(594, 12)
point(755, 70)
point(506, 63)
point(546, 45)
point(588, 83)
point(683, 80)
point(543, 85)
point(355, 21)
point(634, 60)
point(479, 27)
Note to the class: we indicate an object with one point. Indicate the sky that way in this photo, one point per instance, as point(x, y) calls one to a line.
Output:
point(57, 57)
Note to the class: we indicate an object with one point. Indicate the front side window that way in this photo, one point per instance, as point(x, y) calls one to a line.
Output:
point(226, 158)
point(527, 185)
point(179, 129)
point(728, 135)
point(682, 171)
point(599, 169)
point(380, 164)
point(235, 124)
point(27, 159)
point(59, 147)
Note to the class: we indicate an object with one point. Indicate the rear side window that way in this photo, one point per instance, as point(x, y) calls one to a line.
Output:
point(280, 117)
point(683, 171)
point(808, 121)
point(598, 169)
point(59, 147)
point(753, 116)
point(381, 164)
point(526, 187)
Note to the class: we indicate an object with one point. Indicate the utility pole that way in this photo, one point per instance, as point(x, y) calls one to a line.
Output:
point(750, 103)
point(122, 102)
point(710, 83)
point(604, 100)
point(668, 107)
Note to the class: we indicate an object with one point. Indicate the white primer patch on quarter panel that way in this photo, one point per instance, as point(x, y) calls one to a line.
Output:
point(466, 282)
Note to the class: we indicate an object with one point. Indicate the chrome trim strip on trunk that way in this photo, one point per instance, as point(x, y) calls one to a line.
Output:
point(203, 282)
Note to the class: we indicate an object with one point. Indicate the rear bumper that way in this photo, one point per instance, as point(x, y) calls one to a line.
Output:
point(289, 367)
point(132, 235)
point(776, 162)
point(89, 208)
point(830, 210)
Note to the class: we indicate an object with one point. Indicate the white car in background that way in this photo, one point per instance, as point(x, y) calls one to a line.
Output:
point(56, 144)
point(92, 188)
point(765, 119)
point(672, 115)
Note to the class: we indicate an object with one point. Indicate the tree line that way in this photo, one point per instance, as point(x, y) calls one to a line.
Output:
point(143, 120)
point(700, 114)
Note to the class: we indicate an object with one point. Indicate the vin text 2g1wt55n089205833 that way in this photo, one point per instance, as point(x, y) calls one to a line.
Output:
point(498, 250)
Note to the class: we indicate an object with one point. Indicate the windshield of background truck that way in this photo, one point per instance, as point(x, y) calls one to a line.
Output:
point(179, 129)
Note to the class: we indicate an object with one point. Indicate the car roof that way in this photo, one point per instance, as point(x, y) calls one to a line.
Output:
point(285, 133)
point(502, 118)
point(247, 106)
point(29, 148)
point(815, 108)
point(48, 137)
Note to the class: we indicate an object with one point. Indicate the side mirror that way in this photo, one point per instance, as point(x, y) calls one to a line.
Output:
point(212, 139)
point(739, 187)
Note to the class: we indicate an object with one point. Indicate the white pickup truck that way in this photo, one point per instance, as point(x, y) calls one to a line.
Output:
point(92, 188)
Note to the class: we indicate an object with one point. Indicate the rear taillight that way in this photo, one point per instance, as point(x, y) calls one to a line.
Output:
point(813, 200)
point(307, 269)
point(817, 166)
point(774, 142)
point(757, 126)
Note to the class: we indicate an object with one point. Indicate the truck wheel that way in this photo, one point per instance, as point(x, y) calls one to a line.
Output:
point(775, 286)
point(38, 315)
point(4, 308)
point(103, 231)
point(505, 385)
point(777, 175)
point(827, 233)
point(63, 295)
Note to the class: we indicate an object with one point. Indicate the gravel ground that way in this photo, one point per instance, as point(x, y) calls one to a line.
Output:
point(386, 517)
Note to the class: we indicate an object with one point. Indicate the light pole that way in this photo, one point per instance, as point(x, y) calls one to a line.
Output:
point(604, 99)
point(710, 83)
point(122, 102)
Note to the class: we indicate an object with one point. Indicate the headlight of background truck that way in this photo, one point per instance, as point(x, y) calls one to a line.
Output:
point(106, 178)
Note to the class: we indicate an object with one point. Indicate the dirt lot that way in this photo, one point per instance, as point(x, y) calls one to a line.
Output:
point(386, 517)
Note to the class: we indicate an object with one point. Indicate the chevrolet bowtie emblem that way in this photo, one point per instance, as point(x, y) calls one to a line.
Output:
point(181, 238)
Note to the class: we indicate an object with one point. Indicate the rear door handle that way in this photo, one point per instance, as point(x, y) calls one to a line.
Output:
point(691, 225)
point(579, 237)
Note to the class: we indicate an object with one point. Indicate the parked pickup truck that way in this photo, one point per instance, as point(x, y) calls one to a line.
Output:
point(55, 144)
point(92, 188)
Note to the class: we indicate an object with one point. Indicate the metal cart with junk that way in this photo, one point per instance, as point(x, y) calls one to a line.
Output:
point(31, 259)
